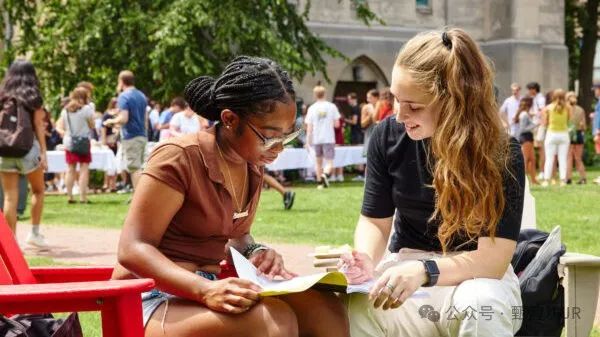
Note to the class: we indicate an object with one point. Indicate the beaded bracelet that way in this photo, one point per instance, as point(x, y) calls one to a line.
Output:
point(253, 248)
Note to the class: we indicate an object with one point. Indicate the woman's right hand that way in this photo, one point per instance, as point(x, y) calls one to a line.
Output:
point(231, 295)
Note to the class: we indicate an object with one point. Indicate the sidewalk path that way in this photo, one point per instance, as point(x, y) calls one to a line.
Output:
point(95, 246)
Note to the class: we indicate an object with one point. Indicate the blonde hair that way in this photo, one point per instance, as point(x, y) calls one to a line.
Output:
point(559, 100)
point(469, 145)
point(319, 91)
point(77, 99)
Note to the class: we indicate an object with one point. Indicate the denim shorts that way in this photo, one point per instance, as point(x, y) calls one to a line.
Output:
point(23, 165)
point(152, 299)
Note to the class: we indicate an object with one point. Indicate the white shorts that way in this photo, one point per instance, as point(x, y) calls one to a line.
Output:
point(476, 307)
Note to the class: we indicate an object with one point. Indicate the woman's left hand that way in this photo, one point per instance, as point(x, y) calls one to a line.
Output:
point(270, 263)
point(397, 284)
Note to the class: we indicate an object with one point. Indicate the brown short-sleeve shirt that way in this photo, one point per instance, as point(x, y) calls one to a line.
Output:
point(202, 226)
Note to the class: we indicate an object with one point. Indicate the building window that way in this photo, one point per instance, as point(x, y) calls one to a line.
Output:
point(424, 6)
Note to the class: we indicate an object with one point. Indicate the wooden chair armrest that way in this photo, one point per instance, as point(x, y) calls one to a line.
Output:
point(74, 290)
point(71, 274)
point(580, 260)
point(114, 297)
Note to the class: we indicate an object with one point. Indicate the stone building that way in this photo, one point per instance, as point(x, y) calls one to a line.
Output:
point(523, 38)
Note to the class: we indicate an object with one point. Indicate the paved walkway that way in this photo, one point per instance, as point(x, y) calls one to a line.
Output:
point(85, 245)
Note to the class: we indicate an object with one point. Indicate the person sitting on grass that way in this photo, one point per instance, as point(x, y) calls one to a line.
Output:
point(198, 195)
point(447, 170)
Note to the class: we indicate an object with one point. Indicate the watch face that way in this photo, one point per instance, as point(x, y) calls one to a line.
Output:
point(432, 272)
point(432, 267)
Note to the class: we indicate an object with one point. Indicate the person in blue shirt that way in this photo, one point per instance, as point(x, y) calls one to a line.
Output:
point(133, 119)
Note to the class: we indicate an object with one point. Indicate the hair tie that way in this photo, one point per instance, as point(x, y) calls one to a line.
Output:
point(446, 40)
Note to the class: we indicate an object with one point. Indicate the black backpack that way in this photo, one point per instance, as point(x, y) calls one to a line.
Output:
point(16, 127)
point(542, 294)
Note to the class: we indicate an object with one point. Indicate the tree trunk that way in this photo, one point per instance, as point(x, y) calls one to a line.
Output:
point(588, 18)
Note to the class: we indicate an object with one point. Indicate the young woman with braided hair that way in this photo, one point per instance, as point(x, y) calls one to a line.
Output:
point(447, 171)
point(198, 195)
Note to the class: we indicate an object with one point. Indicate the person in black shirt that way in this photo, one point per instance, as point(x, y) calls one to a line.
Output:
point(356, 132)
point(448, 183)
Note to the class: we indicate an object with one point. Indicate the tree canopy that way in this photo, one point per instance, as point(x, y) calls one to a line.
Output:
point(165, 43)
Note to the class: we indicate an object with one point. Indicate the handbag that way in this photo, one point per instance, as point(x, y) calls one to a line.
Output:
point(79, 145)
point(40, 325)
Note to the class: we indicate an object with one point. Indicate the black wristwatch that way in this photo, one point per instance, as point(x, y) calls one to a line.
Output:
point(432, 271)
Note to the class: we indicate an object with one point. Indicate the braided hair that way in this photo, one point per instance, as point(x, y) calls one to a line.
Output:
point(247, 86)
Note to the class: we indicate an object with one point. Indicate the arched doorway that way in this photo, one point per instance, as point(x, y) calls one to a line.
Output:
point(360, 76)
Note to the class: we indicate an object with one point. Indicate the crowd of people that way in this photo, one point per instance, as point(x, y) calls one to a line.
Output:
point(326, 128)
point(551, 129)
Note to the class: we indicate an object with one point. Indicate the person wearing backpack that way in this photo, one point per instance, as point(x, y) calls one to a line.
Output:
point(22, 144)
point(75, 126)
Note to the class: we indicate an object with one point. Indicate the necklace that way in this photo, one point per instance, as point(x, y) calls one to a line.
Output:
point(239, 213)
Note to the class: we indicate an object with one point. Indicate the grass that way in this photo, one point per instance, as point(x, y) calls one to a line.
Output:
point(329, 216)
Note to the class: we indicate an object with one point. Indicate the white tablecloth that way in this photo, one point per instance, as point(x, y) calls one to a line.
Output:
point(102, 159)
point(300, 158)
point(288, 159)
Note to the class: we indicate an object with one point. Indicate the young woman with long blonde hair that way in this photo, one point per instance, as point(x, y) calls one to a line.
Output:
point(556, 119)
point(447, 182)
point(77, 120)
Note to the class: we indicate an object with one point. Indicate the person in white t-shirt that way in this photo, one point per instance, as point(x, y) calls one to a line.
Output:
point(509, 109)
point(186, 122)
point(321, 119)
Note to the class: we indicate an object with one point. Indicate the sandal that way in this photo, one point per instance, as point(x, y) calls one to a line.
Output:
point(71, 201)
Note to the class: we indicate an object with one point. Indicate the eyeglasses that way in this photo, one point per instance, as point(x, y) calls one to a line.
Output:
point(270, 142)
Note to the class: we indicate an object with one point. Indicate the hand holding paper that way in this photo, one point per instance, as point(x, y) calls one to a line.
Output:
point(358, 267)
point(270, 263)
point(336, 281)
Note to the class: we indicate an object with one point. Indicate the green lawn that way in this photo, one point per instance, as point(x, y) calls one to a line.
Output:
point(329, 216)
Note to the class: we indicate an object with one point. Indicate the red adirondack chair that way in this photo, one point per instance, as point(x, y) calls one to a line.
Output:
point(64, 289)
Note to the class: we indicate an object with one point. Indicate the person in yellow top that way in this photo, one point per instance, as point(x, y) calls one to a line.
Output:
point(556, 118)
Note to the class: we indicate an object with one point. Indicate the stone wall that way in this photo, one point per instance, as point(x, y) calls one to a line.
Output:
point(523, 39)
